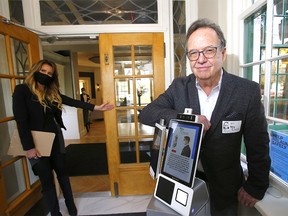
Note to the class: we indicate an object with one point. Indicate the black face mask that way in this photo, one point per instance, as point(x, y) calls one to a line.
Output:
point(43, 78)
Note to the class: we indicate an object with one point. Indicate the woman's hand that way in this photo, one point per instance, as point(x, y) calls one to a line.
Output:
point(104, 107)
point(33, 154)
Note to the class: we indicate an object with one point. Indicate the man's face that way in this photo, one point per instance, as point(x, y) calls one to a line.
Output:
point(206, 69)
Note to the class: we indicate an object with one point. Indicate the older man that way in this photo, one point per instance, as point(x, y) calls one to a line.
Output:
point(230, 108)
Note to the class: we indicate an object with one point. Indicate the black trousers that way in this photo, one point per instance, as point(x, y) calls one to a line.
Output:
point(44, 169)
point(231, 210)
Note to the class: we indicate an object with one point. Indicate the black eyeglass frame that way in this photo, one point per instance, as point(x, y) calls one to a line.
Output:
point(188, 54)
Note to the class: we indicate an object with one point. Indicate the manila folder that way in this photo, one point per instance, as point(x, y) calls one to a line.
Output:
point(43, 142)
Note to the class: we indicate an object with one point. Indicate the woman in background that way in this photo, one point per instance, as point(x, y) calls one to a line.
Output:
point(86, 98)
point(37, 105)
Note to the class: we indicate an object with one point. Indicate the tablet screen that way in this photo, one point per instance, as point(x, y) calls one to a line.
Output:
point(182, 151)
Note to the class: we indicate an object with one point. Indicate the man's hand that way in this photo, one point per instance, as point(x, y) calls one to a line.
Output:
point(245, 199)
point(202, 119)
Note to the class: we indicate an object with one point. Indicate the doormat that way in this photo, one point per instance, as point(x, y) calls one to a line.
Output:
point(124, 214)
point(86, 159)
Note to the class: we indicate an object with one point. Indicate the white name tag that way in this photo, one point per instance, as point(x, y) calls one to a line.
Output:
point(231, 126)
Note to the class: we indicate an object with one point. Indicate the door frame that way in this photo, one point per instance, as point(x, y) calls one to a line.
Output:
point(32, 193)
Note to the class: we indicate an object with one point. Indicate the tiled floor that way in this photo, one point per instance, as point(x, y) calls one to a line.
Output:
point(97, 203)
point(103, 203)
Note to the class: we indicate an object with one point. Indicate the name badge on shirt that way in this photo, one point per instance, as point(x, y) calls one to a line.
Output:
point(231, 126)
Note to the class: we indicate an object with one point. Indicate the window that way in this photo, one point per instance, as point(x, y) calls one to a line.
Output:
point(79, 12)
point(265, 61)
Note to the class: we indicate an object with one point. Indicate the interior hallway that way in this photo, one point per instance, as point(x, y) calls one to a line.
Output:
point(98, 183)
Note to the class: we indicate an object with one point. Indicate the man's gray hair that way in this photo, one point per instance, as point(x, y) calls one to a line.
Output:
point(206, 23)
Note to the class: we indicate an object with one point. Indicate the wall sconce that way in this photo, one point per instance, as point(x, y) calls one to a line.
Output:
point(97, 87)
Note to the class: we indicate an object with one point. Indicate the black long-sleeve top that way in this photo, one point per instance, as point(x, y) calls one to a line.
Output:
point(30, 115)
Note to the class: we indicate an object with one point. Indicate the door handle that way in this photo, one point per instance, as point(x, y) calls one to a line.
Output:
point(106, 57)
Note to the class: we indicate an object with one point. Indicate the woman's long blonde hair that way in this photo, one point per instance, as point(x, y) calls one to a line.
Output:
point(51, 93)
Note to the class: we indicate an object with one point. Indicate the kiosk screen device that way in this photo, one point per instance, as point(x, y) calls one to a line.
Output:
point(175, 182)
point(157, 150)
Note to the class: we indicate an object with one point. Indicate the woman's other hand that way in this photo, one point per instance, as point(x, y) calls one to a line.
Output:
point(33, 154)
point(104, 107)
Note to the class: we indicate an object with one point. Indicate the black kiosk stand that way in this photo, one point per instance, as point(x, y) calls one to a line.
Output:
point(178, 191)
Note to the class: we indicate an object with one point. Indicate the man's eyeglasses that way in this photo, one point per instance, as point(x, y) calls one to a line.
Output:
point(208, 52)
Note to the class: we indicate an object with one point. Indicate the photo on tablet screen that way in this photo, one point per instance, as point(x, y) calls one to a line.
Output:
point(182, 151)
point(157, 150)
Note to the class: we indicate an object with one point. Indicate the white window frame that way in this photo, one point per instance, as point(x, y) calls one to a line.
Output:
point(274, 180)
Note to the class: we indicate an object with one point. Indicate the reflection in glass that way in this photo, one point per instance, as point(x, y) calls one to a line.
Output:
point(253, 45)
point(145, 91)
point(143, 60)
point(20, 57)
point(3, 57)
point(6, 131)
point(144, 130)
point(145, 146)
point(14, 181)
point(279, 109)
point(122, 60)
point(179, 30)
point(90, 12)
point(279, 79)
point(126, 122)
point(124, 92)
point(279, 26)
point(5, 98)
point(284, 61)
point(280, 23)
point(278, 86)
point(19, 81)
point(127, 151)
point(125, 116)
point(16, 11)
point(278, 4)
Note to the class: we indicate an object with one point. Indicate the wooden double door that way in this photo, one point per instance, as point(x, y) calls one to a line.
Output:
point(132, 69)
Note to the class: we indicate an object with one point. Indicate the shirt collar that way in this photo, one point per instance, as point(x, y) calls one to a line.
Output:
point(217, 86)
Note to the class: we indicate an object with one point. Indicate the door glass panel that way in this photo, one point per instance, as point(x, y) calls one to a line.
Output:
point(14, 180)
point(126, 124)
point(145, 146)
point(6, 131)
point(16, 11)
point(124, 92)
point(5, 98)
point(3, 57)
point(127, 151)
point(20, 57)
point(143, 60)
point(179, 35)
point(144, 130)
point(145, 91)
point(122, 60)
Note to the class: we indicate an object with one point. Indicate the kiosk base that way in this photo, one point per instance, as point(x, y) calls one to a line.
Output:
point(200, 203)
